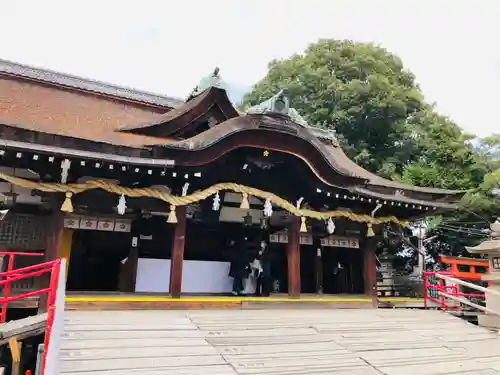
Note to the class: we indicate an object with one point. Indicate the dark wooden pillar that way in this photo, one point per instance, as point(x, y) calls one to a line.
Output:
point(370, 267)
point(293, 256)
point(177, 258)
point(318, 264)
point(55, 228)
point(128, 271)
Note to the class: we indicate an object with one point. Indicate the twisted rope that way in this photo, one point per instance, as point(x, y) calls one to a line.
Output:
point(174, 201)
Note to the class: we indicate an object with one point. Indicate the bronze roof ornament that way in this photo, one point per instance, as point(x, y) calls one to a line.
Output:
point(280, 104)
point(212, 80)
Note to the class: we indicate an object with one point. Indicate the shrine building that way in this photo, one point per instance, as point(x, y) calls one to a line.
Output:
point(141, 192)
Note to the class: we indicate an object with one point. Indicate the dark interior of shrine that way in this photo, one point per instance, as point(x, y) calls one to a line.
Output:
point(96, 260)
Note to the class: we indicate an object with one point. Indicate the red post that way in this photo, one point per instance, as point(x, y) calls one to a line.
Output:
point(10, 267)
point(425, 289)
point(442, 290)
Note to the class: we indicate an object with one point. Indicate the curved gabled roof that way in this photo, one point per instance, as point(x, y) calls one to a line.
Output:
point(183, 115)
point(277, 131)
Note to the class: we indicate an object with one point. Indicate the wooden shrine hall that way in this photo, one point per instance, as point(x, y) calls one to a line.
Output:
point(143, 193)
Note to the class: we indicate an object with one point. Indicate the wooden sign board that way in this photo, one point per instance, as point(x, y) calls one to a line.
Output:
point(282, 237)
point(339, 241)
point(97, 223)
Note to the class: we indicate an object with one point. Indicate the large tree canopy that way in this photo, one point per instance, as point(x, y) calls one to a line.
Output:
point(383, 123)
point(360, 90)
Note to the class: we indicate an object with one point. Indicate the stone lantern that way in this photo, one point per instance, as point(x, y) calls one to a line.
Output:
point(385, 285)
point(491, 249)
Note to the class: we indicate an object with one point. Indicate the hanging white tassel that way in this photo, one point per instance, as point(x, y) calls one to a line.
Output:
point(216, 204)
point(330, 226)
point(268, 208)
point(122, 205)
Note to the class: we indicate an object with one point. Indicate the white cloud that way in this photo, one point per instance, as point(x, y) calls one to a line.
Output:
point(167, 46)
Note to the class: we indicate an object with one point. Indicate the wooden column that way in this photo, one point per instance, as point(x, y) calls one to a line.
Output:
point(53, 248)
point(293, 256)
point(65, 246)
point(370, 267)
point(128, 271)
point(177, 258)
point(318, 264)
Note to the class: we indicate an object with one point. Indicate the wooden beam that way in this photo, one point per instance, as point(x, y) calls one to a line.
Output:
point(15, 353)
point(177, 259)
point(293, 257)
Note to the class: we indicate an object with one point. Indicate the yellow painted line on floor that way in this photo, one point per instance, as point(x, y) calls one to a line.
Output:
point(235, 300)
point(401, 300)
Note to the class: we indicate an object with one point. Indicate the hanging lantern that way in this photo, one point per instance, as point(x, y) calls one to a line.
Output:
point(248, 220)
point(263, 223)
point(330, 226)
point(216, 203)
point(122, 205)
point(268, 208)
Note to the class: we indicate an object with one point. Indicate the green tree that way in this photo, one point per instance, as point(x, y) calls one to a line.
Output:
point(360, 90)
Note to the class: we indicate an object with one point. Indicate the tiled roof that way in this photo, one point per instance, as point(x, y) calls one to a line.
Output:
point(90, 85)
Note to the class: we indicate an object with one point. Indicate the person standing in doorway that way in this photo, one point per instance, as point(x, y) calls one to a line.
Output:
point(264, 279)
point(240, 267)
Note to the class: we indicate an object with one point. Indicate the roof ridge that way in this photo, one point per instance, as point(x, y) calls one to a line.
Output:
point(87, 84)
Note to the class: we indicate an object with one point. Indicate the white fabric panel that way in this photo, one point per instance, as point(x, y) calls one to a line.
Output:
point(153, 275)
point(206, 277)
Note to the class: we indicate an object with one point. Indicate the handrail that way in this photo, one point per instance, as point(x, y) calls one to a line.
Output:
point(469, 303)
point(9, 278)
point(468, 285)
point(442, 291)
point(55, 295)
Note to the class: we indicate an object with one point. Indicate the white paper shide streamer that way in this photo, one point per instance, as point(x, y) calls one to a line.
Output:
point(65, 166)
point(268, 208)
point(330, 226)
point(216, 204)
point(122, 205)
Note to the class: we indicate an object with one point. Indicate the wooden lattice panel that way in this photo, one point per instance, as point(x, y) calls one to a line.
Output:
point(23, 231)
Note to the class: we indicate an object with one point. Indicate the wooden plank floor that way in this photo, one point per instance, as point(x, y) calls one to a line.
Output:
point(229, 342)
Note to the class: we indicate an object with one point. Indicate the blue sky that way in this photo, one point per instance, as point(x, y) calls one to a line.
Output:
point(166, 46)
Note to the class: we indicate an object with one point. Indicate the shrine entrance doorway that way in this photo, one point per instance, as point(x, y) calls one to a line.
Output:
point(96, 260)
point(342, 265)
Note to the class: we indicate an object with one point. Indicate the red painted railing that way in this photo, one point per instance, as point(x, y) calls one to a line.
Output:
point(435, 290)
point(6, 279)
point(53, 268)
